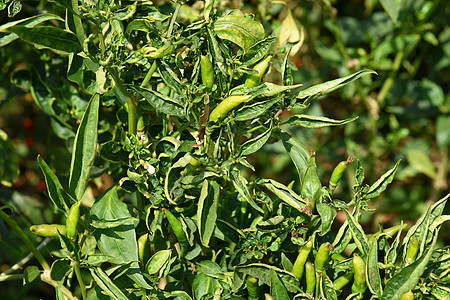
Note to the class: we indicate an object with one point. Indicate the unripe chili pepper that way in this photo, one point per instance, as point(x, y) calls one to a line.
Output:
point(413, 249)
point(310, 273)
point(252, 288)
point(177, 228)
point(322, 256)
point(207, 72)
point(359, 275)
point(338, 172)
point(407, 296)
point(73, 216)
point(342, 281)
point(299, 264)
point(142, 244)
point(261, 68)
point(389, 231)
point(226, 106)
point(48, 230)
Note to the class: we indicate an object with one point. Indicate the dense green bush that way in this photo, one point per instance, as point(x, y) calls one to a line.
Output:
point(191, 155)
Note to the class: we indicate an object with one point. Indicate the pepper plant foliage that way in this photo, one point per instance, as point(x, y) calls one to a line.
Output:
point(182, 219)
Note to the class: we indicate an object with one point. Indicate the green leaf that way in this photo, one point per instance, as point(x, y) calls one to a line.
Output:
point(372, 271)
point(28, 22)
point(327, 215)
point(61, 268)
point(240, 30)
point(105, 224)
point(421, 162)
point(258, 51)
point(358, 234)
point(107, 285)
point(119, 242)
point(311, 186)
point(207, 210)
point(203, 285)
point(256, 143)
point(255, 109)
point(9, 161)
point(381, 184)
point(273, 89)
point(112, 151)
point(318, 90)
point(157, 261)
point(53, 186)
point(30, 274)
point(161, 102)
point(286, 195)
point(297, 151)
point(315, 122)
point(391, 253)
point(326, 287)
point(263, 273)
point(442, 132)
point(84, 149)
point(422, 226)
point(56, 39)
point(277, 289)
point(392, 8)
point(407, 278)
point(240, 184)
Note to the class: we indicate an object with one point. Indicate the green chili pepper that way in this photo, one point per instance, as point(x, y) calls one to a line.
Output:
point(261, 68)
point(73, 216)
point(207, 72)
point(142, 245)
point(310, 273)
point(322, 256)
point(342, 281)
point(252, 288)
point(407, 296)
point(359, 277)
point(413, 249)
point(256, 221)
point(177, 228)
point(226, 106)
point(338, 172)
point(48, 230)
point(299, 264)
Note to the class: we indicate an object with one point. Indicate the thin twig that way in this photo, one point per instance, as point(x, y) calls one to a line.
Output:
point(24, 260)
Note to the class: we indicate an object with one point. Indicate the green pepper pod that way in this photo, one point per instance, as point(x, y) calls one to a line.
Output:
point(48, 230)
point(322, 256)
point(252, 288)
point(207, 72)
point(338, 172)
point(359, 275)
point(413, 249)
point(226, 106)
point(177, 228)
point(310, 273)
point(261, 68)
point(299, 264)
point(342, 281)
point(73, 216)
point(407, 296)
point(142, 245)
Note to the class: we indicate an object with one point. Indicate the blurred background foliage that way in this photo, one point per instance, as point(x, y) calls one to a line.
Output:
point(404, 111)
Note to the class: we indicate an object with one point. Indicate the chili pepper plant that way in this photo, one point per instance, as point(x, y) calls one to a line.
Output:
point(171, 107)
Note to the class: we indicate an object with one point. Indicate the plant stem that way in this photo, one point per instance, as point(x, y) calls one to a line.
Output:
point(4, 277)
point(45, 277)
point(149, 75)
point(128, 97)
point(25, 239)
point(390, 80)
point(80, 279)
